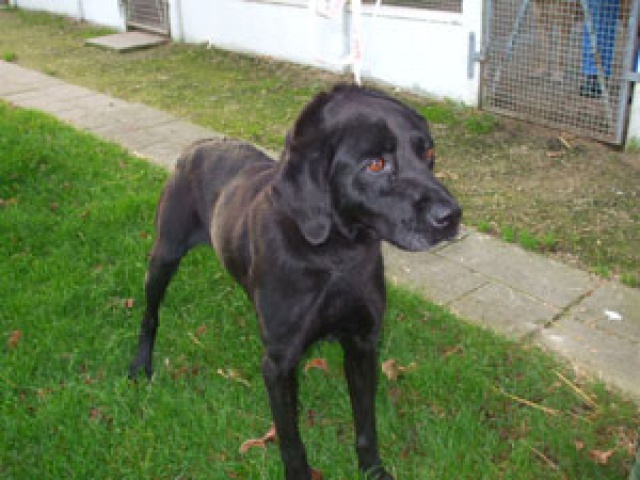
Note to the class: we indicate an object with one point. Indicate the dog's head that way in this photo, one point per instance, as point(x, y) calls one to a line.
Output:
point(361, 162)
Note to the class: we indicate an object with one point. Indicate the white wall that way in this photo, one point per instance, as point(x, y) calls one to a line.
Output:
point(633, 133)
point(61, 7)
point(104, 12)
point(101, 12)
point(417, 49)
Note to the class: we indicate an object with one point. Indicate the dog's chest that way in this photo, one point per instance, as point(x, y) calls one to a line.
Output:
point(350, 305)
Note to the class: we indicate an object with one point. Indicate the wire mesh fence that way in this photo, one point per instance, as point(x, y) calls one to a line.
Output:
point(561, 63)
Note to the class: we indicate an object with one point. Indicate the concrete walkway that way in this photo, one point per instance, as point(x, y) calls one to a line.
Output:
point(593, 323)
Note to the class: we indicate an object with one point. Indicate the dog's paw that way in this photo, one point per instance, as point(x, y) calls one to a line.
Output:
point(136, 368)
point(378, 473)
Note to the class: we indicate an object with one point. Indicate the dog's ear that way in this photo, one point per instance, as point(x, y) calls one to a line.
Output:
point(302, 186)
point(302, 190)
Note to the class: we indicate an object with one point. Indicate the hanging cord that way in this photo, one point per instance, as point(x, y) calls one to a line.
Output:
point(330, 10)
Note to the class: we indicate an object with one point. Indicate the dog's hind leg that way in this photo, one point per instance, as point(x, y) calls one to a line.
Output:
point(179, 229)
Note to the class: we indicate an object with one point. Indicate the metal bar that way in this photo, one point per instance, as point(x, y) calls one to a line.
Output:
point(512, 38)
point(593, 39)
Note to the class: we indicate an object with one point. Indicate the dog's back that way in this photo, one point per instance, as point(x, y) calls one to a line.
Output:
point(208, 166)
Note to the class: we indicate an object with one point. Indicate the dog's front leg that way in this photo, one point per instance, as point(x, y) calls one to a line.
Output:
point(282, 387)
point(361, 369)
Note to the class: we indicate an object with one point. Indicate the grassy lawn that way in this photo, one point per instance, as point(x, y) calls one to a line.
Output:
point(581, 205)
point(75, 228)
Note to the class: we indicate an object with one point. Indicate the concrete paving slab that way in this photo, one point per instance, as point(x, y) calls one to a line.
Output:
point(610, 358)
point(17, 79)
point(504, 310)
point(612, 308)
point(172, 138)
point(134, 127)
point(552, 282)
point(54, 98)
point(94, 112)
point(127, 41)
point(437, 278)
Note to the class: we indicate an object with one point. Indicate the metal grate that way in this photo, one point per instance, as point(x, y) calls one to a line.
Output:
point(439, 5)
point(151, 15)
point(540, 63)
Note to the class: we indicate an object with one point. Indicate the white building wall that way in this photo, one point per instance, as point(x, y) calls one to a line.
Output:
point(101, 12)
point(417, 49)
point(104, 12)
point(70, 8)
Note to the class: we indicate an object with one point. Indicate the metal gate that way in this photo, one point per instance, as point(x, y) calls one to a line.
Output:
point(562, 63)
point(148, 15)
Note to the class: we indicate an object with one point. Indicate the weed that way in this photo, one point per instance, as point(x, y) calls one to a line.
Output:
point(549, 242)
point(508, 234)
point(528, 241)
point(481, 123)
point(9, 57)
point(630, 280)
point(485, 226)
point(602, 270)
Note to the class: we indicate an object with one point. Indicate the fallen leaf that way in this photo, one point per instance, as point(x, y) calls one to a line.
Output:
point(129, 302)
point(601, 457)
point(579, 445)
point(319, 363)
point(555, 154)
point(316, 475)
point(201, 330)
point(268, 437)
point(8, 202)
point(392, 369)
point(54, 206)
point(233, 374)
point(14, 339)
point(452, 351)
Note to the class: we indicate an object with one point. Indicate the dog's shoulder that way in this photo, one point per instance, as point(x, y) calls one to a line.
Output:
point(204, 154)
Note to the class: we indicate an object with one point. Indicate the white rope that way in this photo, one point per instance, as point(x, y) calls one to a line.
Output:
point(330, 9)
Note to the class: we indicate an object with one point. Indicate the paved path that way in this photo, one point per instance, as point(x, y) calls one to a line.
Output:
point(593, 323)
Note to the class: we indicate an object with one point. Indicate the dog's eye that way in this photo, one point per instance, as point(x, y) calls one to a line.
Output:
point(377, 165)
point(430, 156)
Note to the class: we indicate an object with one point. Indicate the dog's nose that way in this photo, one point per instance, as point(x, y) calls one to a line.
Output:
point(443, 215)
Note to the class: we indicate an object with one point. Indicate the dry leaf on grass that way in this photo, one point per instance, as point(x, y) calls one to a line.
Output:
point(201, 330)
point(392, 369)
point(601, 457)
point(233, 374)
point(319, 363)
point(268, 437)
point(14, 339)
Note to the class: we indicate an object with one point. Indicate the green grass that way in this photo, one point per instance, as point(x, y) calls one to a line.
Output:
point(75, 229)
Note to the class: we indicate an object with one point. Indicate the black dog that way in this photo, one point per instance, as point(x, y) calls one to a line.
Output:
point(302, 236)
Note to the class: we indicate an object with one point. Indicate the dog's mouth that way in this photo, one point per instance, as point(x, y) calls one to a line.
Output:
point(438, 228)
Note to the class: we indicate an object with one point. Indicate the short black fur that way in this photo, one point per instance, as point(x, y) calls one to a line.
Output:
point(302, 236)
